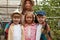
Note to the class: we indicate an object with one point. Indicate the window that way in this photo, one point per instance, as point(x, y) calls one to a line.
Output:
point(7, 7)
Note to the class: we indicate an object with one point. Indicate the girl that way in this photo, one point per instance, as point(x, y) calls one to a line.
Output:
point(29, 27)
point(27, 6)
point(45, 32)
point(15, 31)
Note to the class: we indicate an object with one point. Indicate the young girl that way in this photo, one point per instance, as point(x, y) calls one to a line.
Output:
point(45, 32)
point(29, 27)
point(16, 29)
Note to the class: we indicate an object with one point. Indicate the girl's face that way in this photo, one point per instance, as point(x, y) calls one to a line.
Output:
point(16, 19)
point(41, 19)
point(29, 18)
point(28, 5)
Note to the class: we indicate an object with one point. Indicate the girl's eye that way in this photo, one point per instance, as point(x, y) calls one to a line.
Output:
point(13, 17)
point(42, 17)
point(29, 17)
point(16, 17)
point(39, 17)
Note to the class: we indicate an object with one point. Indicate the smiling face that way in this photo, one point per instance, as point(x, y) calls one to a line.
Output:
point(28, 5)
point(41, 19)
point(16, 18)
point(29, 18)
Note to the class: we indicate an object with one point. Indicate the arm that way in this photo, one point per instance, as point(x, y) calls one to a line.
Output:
point(9, 34)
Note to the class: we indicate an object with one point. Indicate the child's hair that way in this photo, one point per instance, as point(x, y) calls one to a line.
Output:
point(15, 14)
point(36, 21)
point(31, 14)
point(23, 6)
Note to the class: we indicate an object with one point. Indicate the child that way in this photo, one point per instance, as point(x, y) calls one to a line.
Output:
point(15, 31)
point(8, 26)
point(39, 28)
point(45, 27)
point(29, 27)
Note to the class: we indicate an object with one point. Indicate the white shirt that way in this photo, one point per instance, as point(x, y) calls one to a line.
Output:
point(29, 31)
point(17, 32)
point(38, 33)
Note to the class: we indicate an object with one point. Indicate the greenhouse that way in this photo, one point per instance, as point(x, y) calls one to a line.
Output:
point(51, 7)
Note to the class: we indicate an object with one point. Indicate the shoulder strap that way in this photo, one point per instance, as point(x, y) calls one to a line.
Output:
point(22, 28)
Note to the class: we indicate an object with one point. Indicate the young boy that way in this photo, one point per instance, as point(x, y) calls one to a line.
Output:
point(41, 18)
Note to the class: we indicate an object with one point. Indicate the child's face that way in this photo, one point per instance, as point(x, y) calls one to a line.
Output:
point(41, 19)
point(28, 5)
point(16, 19)
point(29, 18)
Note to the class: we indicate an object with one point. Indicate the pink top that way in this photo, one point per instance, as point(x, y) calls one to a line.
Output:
point(30, 31)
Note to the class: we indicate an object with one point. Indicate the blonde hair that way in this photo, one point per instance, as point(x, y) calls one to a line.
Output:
point(31, 14)
point(16, 13)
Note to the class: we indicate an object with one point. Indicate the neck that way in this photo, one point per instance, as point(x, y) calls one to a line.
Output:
point(29, 23)
point(16, 23)
point(28, 9)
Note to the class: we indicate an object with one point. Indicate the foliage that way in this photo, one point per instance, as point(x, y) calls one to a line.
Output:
point(52, 9)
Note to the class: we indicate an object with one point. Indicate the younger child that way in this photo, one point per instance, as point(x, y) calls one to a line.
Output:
point(41, 18)
point(15, 31)
point(29, 27)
